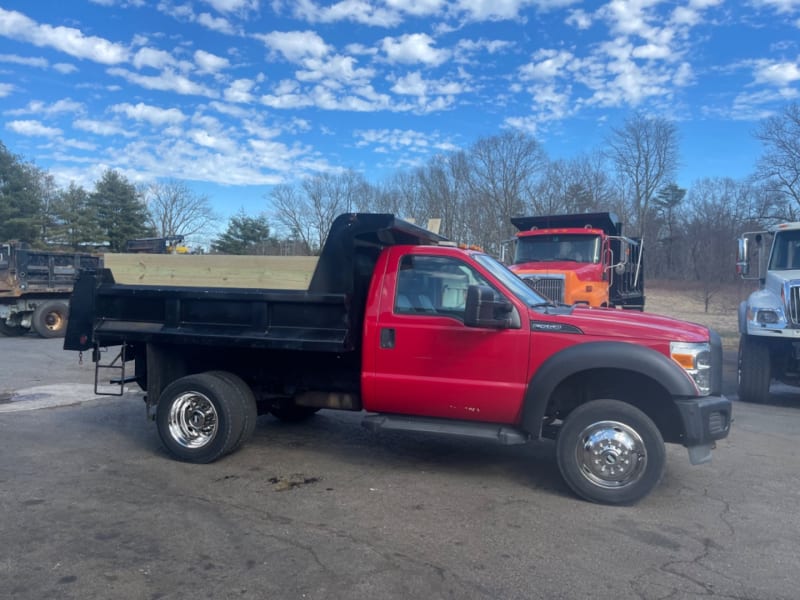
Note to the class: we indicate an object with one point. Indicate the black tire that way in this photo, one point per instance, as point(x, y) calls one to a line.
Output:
point(12, 330)
point(200, 418)
point(245, 395)
point(754, 370)
point(50, 319)
point(610, 452)
point(291, 413)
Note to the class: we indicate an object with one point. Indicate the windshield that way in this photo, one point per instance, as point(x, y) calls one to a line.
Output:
point(513, 283)
point(785, 251)
point(558, 247)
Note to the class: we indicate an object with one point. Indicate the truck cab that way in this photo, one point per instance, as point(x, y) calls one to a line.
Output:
point(769, 320)
point(579, 259)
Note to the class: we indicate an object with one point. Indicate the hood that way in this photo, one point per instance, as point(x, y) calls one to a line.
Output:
point(627, 325)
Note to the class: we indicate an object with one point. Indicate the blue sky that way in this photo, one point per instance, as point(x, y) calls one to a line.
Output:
point(234, 96)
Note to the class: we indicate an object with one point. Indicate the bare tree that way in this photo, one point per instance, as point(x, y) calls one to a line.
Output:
point(175, 209)
point(308, 213)
point(712, 216)
point(779, 166)
point(645, 153)
point(502, 173)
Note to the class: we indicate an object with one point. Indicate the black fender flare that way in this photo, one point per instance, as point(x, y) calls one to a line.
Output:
point(743, 317)
point(599, 355)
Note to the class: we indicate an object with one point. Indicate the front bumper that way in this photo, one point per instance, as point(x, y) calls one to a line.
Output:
point(705, 420)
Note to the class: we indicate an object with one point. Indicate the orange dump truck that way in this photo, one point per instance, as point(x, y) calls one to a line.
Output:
point(580, 259)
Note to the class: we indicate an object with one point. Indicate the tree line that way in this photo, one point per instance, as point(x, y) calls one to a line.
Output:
point(688, 234)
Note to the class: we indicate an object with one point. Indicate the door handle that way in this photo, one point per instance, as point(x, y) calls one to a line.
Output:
point(387, 338)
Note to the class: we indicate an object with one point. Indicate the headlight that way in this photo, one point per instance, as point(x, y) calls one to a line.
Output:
point(767, 316)
point(695, 358)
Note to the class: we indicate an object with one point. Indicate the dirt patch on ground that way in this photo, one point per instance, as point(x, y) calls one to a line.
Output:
point(687, 301)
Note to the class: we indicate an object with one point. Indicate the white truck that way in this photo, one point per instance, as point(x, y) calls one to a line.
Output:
point(769, 320)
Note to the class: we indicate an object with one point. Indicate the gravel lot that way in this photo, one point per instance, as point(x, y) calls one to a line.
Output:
point(93, 508)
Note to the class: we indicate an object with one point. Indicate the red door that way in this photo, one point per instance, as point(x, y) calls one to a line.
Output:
point(428, 363)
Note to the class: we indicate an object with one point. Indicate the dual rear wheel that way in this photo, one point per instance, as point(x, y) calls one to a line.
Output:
point(202, 417)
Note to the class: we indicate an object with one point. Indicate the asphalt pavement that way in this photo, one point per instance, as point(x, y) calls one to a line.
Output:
point(92, 507)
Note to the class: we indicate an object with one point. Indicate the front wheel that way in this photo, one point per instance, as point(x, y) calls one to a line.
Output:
point(754, 370)
point(200, 418)
point(610, 452)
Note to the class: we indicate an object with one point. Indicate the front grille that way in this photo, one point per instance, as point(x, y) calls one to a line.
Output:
point(794, 305)
point(550, 287)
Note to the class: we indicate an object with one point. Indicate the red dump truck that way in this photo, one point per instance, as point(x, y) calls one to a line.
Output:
point(422, 336)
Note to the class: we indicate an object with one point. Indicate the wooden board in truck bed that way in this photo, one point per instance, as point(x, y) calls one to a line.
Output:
point(212, 270)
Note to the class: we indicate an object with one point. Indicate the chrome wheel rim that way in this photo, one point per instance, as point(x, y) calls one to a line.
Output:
point(611, 454)
point(193, 420)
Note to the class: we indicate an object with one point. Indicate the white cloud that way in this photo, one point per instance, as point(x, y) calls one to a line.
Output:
point(6, 89)
point(335, 68)
point(228, 6)
point(105, 128)
point(32, 128)
point(414, 84)
point(547, 64)
point(402, 139)
point(204, 138)
point(413, 48)
point(150, 114)
point(210, 63)
point(167, 81)
point(579, 19)
point(778, 73)
point(28, 61)
point(219, 24)
point(780, 6)
point(295, 45)
point(240, 91)
point(151, 57)
point(358, 11)
point(501, 10)
point(71, 41)
point(65, 68)
point(37, 107)
point(78, 144)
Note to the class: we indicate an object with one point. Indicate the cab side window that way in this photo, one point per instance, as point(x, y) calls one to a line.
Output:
point(434, 285)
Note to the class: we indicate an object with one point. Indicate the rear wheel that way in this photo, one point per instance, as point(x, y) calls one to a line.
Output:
point(610, 452)
point(244, 393)
point(755, 371)
point(50, 319)
point(12, 330)
point(200, 417)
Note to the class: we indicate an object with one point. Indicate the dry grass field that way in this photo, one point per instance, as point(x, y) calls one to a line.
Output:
point(684, 300)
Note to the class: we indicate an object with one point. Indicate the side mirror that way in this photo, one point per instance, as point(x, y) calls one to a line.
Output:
point(482, 310)
point(742, 257)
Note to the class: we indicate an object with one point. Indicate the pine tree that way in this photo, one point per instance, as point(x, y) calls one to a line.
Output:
point(20, 202)
point(245, 235)
point(119, 210)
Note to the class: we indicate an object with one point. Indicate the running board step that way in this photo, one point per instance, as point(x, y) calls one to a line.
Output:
point(490, 432)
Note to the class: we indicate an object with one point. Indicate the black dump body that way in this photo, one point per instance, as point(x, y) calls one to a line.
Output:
point(30, 272)
point(328, 317)
point(626, 287)
point(608, 222)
